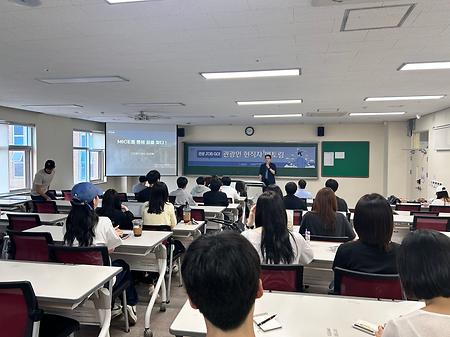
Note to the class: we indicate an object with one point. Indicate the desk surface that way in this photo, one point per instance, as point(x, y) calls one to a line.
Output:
point(184, 229)
point(46, 218)
point(306, 315)
point(11, 202)
point(210, 209)
point(53, 282)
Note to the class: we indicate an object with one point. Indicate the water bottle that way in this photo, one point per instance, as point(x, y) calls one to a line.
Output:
point(187, 213)
point(307, 235)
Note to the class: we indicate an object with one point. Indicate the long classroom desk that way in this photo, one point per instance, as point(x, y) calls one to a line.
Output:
point(65, 206)
point(62, 287)
point(46, 218)
point(305, 315)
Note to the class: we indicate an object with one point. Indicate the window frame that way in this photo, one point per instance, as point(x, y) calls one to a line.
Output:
point(89, 150)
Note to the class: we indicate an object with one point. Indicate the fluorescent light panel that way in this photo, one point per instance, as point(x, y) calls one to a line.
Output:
point(251, 74)
point(89, 79)
point(272, 102)
point(114, 2)
point(425, 65)
point(52, 106)
point(278, 116)
point(371, 114)
point(402, 98)
point(154, 104)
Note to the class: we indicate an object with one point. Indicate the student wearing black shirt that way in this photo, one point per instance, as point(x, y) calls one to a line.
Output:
point(324, 220)
point(152, 177)
point(112, 208)
point(267, 171)
point(341, 204)
point(215, 197)
point(290, 200)
point(373, 252)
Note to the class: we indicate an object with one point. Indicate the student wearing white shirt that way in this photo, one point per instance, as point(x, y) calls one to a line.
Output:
point(442, 198)
point(200, 188)
point(424, 267)
point(181, 195)
point(85, 228)
point(302, 193)
point(228, 190)
point(140, 186)
point(272, 240)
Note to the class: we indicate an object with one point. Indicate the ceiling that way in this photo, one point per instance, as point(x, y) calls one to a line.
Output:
point(162, 46)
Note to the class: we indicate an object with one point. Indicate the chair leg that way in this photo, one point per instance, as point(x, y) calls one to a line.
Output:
point(179, 271)
point(125, 311)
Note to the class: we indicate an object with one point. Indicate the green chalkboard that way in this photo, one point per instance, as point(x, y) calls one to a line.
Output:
point(345, 159)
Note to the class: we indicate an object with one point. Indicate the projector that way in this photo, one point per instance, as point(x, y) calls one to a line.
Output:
point(28, 3)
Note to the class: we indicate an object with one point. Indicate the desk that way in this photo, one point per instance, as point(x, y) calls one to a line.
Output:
point(12, 204)
point(306, 315)
point(21, 197)
point(62, 287)
point(65, 206)
point(182, 230)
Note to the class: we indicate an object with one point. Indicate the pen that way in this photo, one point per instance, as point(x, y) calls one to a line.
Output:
point(266, 320)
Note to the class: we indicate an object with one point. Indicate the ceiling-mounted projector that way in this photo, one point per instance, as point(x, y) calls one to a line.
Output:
point(29, 3)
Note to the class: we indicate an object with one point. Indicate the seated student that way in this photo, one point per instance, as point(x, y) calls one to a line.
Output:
point(341, 204)
point(221, 275)
point(85, 228)
point(301, 192)
point(200, 188)
point(152, 177)
point(273, 241)
point(424, 267)
point(324, 220)
point(228, 190)
point(290, 200)
point(373, 252)
point(158, 210)
point(215, 197)
point(181, 195)
point(442, 198)
point(141, 185)
point(274, 188)
point(113, 208)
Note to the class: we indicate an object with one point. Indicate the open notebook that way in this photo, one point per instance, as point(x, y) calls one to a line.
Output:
point(267, 326)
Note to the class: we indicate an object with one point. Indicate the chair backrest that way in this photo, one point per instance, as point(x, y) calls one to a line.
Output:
point(282, 277)
point(51, 193)
point(21, 222)
point(19, 309)
point(122, 196)
point(44, 207)
point(172, 199)
point(354, 283)
point(230, 200)
point(157, 228)
point(29, 246)
point(67, 195)
point(422, 213)
point(198, 214)
point(298, 213)
point(329, 238)
point(95, 255)
point(437, 223)
point(408, 207)
point(439, 208)
point(198, 199)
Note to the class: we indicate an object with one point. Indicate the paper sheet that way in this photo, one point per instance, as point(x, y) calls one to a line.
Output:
point(339, 155)
point(328, 159)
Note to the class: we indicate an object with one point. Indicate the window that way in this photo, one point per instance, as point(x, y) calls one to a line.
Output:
point(16, 148)
point(88, 156)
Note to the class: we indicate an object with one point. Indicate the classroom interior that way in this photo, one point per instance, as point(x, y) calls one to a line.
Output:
point(346, 51)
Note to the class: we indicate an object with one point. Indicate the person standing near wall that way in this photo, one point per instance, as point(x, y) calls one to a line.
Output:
point(42, 181)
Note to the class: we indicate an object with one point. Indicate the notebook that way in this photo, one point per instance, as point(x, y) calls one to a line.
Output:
point(268, 326)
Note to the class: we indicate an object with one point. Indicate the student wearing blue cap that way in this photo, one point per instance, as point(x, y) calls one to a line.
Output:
point(85, 228)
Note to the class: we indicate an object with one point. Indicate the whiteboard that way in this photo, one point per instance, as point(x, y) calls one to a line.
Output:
point(442, 138)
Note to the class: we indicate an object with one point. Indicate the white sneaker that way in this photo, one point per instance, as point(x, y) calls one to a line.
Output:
point(151, 289)
point(116, 311)
point(175, 269)
point(132, 315)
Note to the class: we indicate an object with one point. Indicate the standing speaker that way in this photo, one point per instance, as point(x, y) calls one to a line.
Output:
point(180, 132)
point(320, 131)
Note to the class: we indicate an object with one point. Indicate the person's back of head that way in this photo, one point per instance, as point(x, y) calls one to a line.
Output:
point(153, 176)
point(325, 206)
point(221, 274)
point(290, 188)
point(111, 200)
point(182, 182)
point(142, 179)
point(374, 220)
point(275, 241)
point(215, 184)
point(240, 187)
point(226, 181)
point(274, 188)
point(302, 184)
point(200, 181)
point(423, 264)
point(333, 184)
point(159, 195)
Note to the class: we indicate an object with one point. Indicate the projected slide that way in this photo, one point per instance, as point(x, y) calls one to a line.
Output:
point(135, 149)
point(244, 159)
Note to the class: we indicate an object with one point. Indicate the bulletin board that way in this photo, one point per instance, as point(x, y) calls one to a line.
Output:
point(345, 159)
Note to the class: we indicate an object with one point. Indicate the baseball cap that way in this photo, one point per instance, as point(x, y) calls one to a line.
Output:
point(49, 164)
point(85, 192)
point(440, 188)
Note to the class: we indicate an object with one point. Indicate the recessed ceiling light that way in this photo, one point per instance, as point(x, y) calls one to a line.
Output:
point(52, 106)
point(251, 74)
point(371, 114)
point(114, 2)
point(402, 98)
point(272, 102)
point(278, 116)
point(91, 79)
point(154, 104)
point(425, 65)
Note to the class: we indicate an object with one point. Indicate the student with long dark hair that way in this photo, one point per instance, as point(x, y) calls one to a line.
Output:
point(84, 228)
point(324, 220)
point(113, 208)
point(158, 210)
point(271, 238)
point(424, 266)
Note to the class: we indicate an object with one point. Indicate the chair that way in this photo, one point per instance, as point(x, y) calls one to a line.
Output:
point(123, 197)
point(45, 207)
point(21, 314)
point(298, 214)
point(329, 238)
point(198, 199)
point(437, 223)
point(282, 277)
point(230, 200)
point(198, 214)
point(29, 246)
point(439, 208)
point(359, 284)
point(172, 199)
point(51, 194)
point(408, 207)
point(95, 255)
point(67, 195)
point(22, 222)
point(422, 213)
